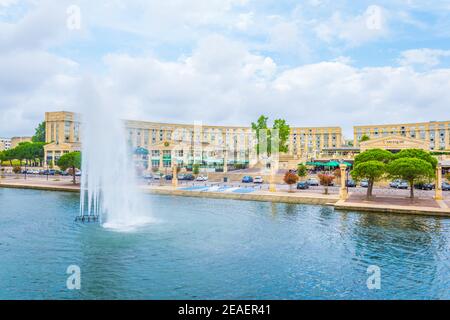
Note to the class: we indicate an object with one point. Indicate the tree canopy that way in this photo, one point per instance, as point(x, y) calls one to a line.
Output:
point(302, 170)
point(374, 155)
point(32, 152)
point(371, 165)
point(418, 154)
point(411, 170)
point(72, 161)
point(39, 135)
point(372, 170)
point(364, 138)
point(283, 128)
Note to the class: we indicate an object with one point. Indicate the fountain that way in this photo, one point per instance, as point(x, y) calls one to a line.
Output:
point(109, 191)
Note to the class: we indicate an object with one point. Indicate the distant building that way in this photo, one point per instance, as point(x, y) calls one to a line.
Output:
point(16, 140)
point(431, 136)
point(166, 142)
point(5, 144)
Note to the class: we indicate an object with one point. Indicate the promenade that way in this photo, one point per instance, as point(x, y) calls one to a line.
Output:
point(388, 201)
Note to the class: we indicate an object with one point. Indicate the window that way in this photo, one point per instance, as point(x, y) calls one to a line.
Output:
point(66, 131)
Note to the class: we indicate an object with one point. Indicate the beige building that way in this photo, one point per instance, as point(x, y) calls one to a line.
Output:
point(62, 134)
point(16, 140)
point(432, 136)
point(158, 144)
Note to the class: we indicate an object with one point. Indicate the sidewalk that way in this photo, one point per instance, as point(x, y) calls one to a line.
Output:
point(356, 201)
point(387, 204)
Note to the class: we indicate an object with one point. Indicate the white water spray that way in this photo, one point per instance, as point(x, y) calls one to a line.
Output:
point(108, 184)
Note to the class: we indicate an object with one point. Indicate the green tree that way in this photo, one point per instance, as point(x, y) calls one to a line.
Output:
point(371, 170)
point(374, 154)
point(364, 138)
point(418, 154)
point(71, 161)
point(447, 176)
point(196, 169)
point(283, 132)
point(302, 170)
point(375, 161)
point(411, 170)
point(39, 135)
point(258, 127)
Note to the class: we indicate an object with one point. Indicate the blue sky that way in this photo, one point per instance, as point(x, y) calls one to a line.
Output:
point(313, 62)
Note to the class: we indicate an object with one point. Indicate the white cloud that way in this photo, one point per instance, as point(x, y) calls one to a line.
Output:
point(424, 57)
point(214, 78)
point(354, 30)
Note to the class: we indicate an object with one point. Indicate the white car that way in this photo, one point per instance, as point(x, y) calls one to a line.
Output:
point(258, 179)
point(201, 178)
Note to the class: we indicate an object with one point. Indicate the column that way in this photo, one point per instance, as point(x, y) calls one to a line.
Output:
point(343, 193)
point(225, 161)
point(161, 163)
point(174, 176)
point(438, 195)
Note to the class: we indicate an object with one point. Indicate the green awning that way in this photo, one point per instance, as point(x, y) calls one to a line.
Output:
point(331, 164)
point(348, 164)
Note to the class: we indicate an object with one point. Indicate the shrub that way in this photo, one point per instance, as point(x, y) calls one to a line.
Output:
point(17, 169)
point(325, 180)
point(290, 178)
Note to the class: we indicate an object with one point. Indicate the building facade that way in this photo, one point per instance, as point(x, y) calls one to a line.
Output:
point(16, 140)
point(62, 135)
point(5, 144)
point(434, 135)
point(159, 145)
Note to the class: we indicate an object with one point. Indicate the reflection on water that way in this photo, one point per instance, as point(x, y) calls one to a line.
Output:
point(219, 249)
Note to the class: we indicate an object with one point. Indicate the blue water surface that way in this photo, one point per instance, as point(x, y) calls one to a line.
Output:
point(219, 249)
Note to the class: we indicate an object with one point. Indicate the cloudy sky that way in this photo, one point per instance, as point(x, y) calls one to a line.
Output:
point(312, 62)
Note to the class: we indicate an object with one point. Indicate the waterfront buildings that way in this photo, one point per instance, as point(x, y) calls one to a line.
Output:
point(159, 144)
point(432, 136)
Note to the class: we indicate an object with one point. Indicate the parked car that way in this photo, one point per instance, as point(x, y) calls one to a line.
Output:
point(189, 177)
point(147, 176)
point(395, 183)
point(168, 177)
point(258, 179)
point(302, 185)
point(247, 179)
point(424, 186)
point(445, 186)
point(403, 185)
point(50, 172)
point(364, 183)
point(351, 183)
point(313, 182)
point(202, 178)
